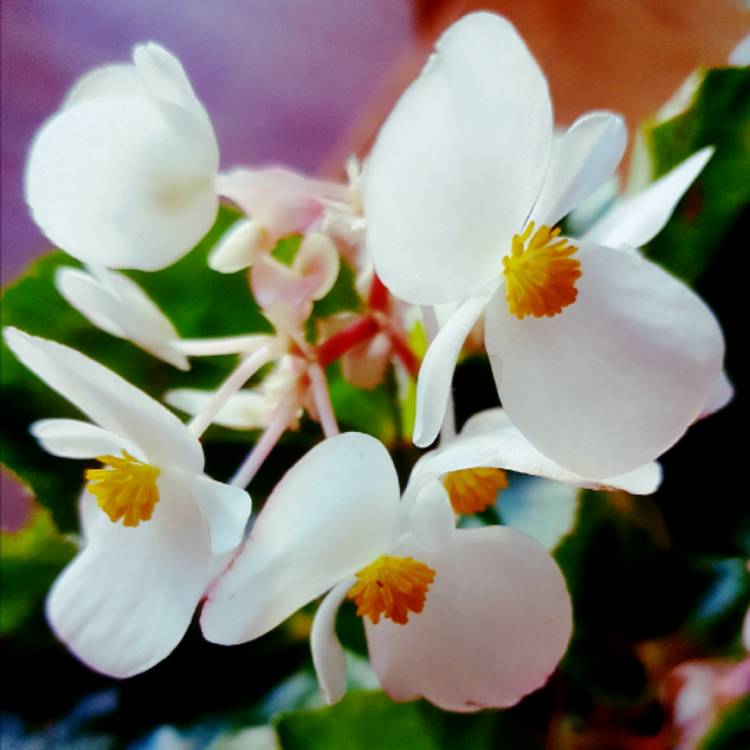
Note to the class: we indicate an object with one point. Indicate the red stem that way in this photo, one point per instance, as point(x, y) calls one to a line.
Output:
point(340, 343)
point(403, 351)
point(379, 298)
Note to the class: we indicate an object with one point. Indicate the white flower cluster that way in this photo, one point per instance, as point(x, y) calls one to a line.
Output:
point(601, 359)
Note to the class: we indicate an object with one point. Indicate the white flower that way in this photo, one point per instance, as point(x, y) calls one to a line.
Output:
point(465, 618)
point(126, 600)
point(601, 359)
point(116, 304)
point(124, 174)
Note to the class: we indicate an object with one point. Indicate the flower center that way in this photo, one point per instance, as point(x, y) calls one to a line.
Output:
point(473, 490)
point(126, 490)
point(393, 587)
point(539, 273)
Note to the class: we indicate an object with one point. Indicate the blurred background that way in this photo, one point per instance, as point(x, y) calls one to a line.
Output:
point(305, 84)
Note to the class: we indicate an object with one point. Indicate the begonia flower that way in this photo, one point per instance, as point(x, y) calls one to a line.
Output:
point(278, 202)
point(156, 529)
point(466, 618)
point(601, 358)
point(116, 304)
point(124, 175)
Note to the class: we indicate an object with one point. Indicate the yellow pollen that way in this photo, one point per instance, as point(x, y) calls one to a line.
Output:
point(539, 273)
point(393, 587)
point(126, 490)
point(473, 490)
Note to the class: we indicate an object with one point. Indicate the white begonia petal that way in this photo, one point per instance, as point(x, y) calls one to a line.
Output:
point(458, 164)
point(740, 56)
point(117, 305)
point(109, 80)
point(327, 652)
point(225, 509)
point(496, 622)
point(637, 220)
point(71, 438)
point(615, 379)
point(126, 179)
point(242, 245)
point(430, 519)
point(582, 160)
point(127, 599)
point(436, 372)
point(333, 513)
point(109, 401)
point(245, 410)
point(721, 393)
point(491, 440)
point(280, 201)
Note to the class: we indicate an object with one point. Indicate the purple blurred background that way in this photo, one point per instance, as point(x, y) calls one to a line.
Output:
point(283, 80)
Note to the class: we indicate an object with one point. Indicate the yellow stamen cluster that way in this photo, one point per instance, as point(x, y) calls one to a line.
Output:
point(473, 490)
point(539, 273)
point(392, 587)
point(126, 490)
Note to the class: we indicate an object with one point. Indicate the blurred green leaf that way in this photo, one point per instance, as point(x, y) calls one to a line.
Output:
point(719, 116)
point(32, 558)
point(731, 730)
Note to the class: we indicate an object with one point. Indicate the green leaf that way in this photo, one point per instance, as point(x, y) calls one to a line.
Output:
point(32, 558)
point(731, 730)
point(198, 301)
point(719, 116)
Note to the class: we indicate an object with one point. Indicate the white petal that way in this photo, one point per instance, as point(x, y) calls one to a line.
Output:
point(332, 513)
point(240, 246)
point(110, 401)
point(582, 160)
point(327, 653)
point(317, 259)
point(490, 439)
point(109, 80)
point(616, 378)
point(126, 600)
point(458, 164)
point(245, 410)
point(436, 373)
point(637, 220)
point(71, 438)
point(431, 518)
point(111, 181)
point(721, 393)
point(496, 621)
point(740, 56)
point(226, 509)
point(117, 305)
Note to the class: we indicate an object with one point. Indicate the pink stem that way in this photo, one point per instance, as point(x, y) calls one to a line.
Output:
point(322, 399)
point(278, 422)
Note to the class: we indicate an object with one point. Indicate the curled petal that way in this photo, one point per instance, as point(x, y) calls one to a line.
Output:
point(71, 438)
point(458, 164)
point(582, 160)
point(721, 393)
point(616, 378)
point(327, 653)
point(127, 599)
point(110, 401)
point(496, 622)
point(343, 498)
point(637, 220)
point(317, 259)
point(240, 247)
point(436, 372)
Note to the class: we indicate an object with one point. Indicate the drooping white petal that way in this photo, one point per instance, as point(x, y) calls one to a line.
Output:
point(721, 393)
point(124, 174)
point(490, 439)
point(240, 247)
point(71, 438)
point(436, 372)
point(332, 513)
point(458, 164)
point(637, 220)
point(225, 509)
point(110, 401)
point(127, 599)
point(582, 160)
point(117, 305)
point(245, 410)
point(430, 519)
point(617, 377)
point(496, 621)
point(327, 652)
